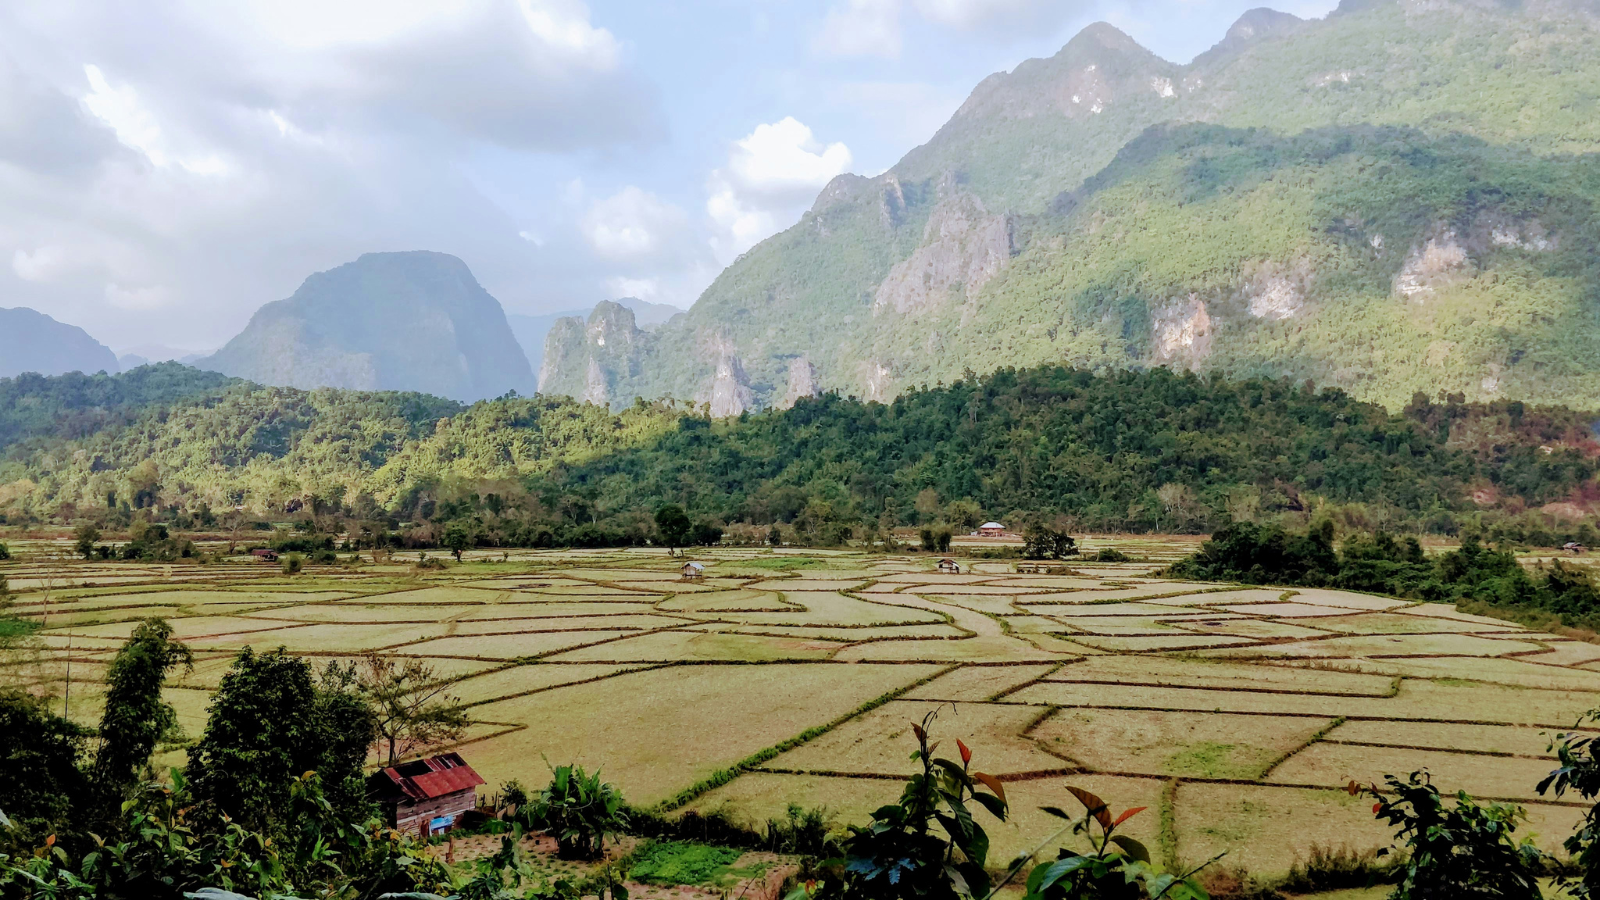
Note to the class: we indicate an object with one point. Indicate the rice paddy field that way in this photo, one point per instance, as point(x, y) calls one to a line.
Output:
point(1236, 714)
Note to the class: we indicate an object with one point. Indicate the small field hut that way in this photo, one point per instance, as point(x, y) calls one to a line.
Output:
point(991, 529)
point(693, 571)
point(426, 796)
point(949, 567)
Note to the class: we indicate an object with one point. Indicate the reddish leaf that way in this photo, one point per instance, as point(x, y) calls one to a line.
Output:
point(50, 841)
point(1376, 807)
point(1128, 815)
point(992, 783)
point(1352, 788)
point(917, 730)
point(966, 754)
point(1093, 804)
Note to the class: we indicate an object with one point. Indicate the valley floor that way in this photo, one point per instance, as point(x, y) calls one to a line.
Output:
point(1236, 714)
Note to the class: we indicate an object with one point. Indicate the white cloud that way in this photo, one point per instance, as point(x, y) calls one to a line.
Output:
point(873, 27)
point(41, 265)
point(641, 288)
point(771, 176)
point(565, 27)
point(861, 28)
point(138, 299)
point(203, 158)
point(634, 225)
point(137, 128)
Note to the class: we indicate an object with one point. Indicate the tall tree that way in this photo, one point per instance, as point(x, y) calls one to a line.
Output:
point(674, 525)
point(87, 534)
point(135, 716)
point(410, 704)
point(40, 782)
point(270, 722)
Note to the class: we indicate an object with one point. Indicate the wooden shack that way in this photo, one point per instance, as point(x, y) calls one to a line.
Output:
point(693, 571)
point(949, 567)
point(426, 796)
point(264, 554)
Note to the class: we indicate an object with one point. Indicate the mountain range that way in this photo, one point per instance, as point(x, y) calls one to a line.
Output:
point(1398, 198)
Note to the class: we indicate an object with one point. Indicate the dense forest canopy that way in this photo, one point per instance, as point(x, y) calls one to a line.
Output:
point(1124, 450)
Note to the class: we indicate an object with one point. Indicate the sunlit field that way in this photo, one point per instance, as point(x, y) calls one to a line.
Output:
point(1236, 714)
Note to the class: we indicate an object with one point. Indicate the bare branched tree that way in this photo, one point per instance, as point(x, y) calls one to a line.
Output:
point(412, 705)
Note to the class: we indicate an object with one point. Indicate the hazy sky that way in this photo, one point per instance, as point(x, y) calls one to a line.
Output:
point(168, 166)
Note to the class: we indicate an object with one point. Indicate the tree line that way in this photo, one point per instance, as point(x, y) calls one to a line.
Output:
point(1152, 451)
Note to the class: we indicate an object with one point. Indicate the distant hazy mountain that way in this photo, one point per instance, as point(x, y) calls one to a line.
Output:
point(31, 341)
point(532, 330)
point(145, 354)
point(1403, 196)
point(415, 321)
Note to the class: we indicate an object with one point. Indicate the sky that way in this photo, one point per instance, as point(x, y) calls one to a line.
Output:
point(167, 167)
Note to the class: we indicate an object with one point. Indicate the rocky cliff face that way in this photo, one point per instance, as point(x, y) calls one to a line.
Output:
point(802, 383)
point(962, 248)
point(1344, 200)
point(414, 321)
point(598, 360)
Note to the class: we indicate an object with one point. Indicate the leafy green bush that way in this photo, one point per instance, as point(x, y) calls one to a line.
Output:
point(1465, 850)
point(292, 564)
point(1110, 555)
point(579, 811)
point(1579, 772)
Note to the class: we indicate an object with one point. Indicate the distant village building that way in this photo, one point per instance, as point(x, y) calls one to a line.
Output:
point(991, 529)
point(426, 796)
point(693, 571)
point(265, 555)
point(949, 567)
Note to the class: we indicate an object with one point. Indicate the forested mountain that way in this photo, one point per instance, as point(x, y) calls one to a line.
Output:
point(1125, 450)
point(31, 341)
point(415, 321)
point(1399, 197)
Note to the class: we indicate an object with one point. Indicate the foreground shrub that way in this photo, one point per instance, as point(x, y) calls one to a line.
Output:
point(678, 862)
point(1579, 772)
point(1336, 868)
point(579, 811)
point(1461, 851)
point(900, 856)
point(1117, 867)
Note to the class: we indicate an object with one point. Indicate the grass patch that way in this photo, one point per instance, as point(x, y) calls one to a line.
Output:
point(781, 564)
point(1209, 759)
point(681, 862)
point(13, 628)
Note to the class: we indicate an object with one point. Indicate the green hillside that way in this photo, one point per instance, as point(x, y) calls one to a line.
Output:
point(1396, 198)
point(1151, 450)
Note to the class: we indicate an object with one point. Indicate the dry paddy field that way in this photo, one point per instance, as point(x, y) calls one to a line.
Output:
point(1236, 714)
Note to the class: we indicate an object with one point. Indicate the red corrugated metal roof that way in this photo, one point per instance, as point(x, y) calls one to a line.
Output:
point(446, 781)
point(447, 773)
